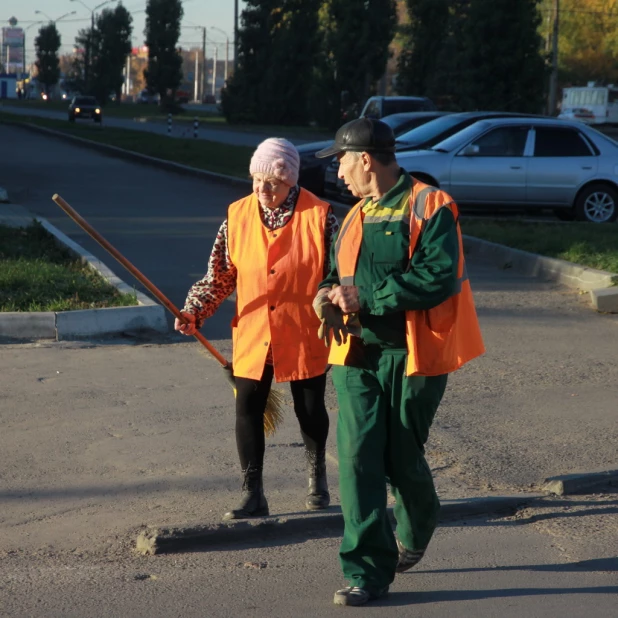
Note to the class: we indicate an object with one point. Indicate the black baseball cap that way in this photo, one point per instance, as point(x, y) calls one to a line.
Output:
point(361, 135)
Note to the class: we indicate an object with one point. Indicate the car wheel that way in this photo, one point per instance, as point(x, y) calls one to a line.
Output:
point(597, 203)
point(565, 214)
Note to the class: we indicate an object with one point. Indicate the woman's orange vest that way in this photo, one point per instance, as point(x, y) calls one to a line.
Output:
point(439, 340)
point(278, 274)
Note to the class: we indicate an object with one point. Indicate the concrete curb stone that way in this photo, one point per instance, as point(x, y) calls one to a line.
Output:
point(581, 482)
point(63, 325)
point(152, 540)
point(600, 284)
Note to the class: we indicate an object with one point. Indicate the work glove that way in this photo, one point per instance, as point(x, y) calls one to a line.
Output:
point(331, 318)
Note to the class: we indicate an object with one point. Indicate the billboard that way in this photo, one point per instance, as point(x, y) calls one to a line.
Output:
point(13, 49)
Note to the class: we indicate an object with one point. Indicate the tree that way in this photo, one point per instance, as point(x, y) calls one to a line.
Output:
point(111, 44)
point(502, 61)
point(355, 39)
point(278, 46)
point(164, 72)
point(47, 44)
point(424, 39)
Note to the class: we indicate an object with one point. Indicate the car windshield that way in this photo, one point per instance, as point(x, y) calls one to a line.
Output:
point(461, 137)
point(85, 101)
point(426, 134)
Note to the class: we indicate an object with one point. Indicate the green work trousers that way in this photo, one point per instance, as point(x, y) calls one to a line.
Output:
point(383, 424)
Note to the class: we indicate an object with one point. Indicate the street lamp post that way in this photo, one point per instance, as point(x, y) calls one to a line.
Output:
point(88, 43)
point(203, 71)
point(227, 50)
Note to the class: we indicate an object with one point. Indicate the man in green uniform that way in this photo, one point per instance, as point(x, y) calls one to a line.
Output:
point(384, 415)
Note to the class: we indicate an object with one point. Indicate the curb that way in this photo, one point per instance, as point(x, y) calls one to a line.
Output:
point(154, 540)
point(66, 325)
point(115, 151)
point(600, 284)
point(578, 483)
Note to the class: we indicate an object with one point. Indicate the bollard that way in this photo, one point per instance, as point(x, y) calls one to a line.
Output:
point(169, 124)
point(196, 126)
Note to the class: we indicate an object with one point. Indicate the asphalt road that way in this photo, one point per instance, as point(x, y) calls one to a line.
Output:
point(99, 438)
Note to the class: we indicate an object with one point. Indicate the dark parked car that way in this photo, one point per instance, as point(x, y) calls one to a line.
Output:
point(379, 107)
point(419, 138)
point(312, 169)
point(85, 107)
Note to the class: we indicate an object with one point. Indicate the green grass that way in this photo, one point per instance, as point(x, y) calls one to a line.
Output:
point(203, 154)
point(589, 244)
point(37, 274)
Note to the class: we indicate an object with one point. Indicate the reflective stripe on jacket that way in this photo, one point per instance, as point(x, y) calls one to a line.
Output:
point(278, 275)
point(438, 340)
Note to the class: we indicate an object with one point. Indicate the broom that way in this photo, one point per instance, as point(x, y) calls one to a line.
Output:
point(273, 415)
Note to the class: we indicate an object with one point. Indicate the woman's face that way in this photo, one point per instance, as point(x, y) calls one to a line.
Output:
point(270, 192)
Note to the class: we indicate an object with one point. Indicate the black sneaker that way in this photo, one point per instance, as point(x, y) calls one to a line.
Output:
point(355, 596)
point(407, 557)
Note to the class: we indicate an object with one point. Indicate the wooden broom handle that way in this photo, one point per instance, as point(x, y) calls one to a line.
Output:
point(164, 300)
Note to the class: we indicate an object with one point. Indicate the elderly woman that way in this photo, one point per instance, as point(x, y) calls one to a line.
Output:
point(273, 249)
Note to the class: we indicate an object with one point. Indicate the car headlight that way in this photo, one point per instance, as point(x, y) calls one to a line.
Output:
point(77, 110)
point(97, 111)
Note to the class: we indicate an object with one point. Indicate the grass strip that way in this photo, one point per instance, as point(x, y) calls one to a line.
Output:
point(38, 274)
point(589, 244)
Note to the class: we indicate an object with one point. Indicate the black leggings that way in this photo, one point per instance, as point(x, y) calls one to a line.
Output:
point(251, 396)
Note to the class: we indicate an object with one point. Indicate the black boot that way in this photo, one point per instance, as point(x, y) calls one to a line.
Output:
point(317, 495)
point(253, 502)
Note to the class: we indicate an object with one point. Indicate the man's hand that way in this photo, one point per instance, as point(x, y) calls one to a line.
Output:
point(188, 327)
point(345, 297)
point(331, 318)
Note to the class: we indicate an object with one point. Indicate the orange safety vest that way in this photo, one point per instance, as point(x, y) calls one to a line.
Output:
point(439, 340)
point(278, 274)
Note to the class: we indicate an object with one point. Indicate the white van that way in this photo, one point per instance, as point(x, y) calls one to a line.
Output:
point(602, 101)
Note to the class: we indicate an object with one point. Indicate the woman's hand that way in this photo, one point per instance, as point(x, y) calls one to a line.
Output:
point(188, 326)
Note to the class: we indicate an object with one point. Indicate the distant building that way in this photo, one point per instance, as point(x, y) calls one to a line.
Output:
point(8, 86)
point(12, 48)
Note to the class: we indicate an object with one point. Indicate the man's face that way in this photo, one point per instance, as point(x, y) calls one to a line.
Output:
point(352, 170)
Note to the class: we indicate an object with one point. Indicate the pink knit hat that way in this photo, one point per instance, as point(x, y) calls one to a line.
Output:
point(276, 157)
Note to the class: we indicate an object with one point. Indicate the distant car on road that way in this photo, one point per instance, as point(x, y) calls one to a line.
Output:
point(525, 162)
point(147, 98)
point(312, 169)
point(85, 107)
point(577, 113)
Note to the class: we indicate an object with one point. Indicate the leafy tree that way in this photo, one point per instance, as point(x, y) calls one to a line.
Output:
point(502, 62)
point(47, 44)
point(111, 43)
point(424, 39)
point(164, 72)
point(355, 40)
point(278, 46)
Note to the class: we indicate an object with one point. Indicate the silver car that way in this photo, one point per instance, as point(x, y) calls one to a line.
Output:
point(532, 162)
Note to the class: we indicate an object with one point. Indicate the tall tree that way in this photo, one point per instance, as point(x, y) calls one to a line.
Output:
point(111, 44)
point(277, 49)
point(502, 62)
point(356, 37)
point(424, 39)
point(47, 44)
point(164, 72)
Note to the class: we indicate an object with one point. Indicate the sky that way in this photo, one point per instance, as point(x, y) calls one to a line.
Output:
point(211, 13)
